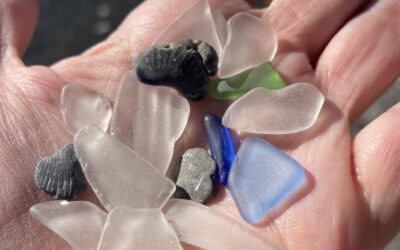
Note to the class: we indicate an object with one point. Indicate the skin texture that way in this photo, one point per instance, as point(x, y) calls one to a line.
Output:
point(348, 49)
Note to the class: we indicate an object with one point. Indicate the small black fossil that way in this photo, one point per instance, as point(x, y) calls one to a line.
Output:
point(60, 175)
point(184, 65)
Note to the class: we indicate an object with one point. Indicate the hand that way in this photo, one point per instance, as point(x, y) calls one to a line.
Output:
point(348, 49)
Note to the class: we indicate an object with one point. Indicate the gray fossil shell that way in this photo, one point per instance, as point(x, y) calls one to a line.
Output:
point(60, 175)
point(184, 65)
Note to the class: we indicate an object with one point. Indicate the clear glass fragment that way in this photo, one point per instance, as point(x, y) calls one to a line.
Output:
point(283, 111)
point(250, 42)
point(82, 106)
point(144, 229)
point(118, 175)
point(207, 228)
point(149, 119)
point(79, 223)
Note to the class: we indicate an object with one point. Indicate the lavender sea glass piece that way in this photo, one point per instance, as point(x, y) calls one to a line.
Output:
point(261, 176)
point(144, 229)
point(220, 146)
point(283, 111)
point(195, 23)
point(118, 175)
point(208, 228)
point(81, 106)
point(251, 39)
point(79, 223)
point(149, 119)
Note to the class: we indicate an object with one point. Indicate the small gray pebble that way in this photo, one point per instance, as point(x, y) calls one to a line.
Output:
point(60, 175)
point(194, 171)
point(184, 65)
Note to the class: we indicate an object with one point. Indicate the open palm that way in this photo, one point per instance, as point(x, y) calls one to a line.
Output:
point(348, 49)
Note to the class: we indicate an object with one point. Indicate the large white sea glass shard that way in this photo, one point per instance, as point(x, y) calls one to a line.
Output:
point(149, 119)
point(283, 111)
point(81, 106)
point(195, 23)
point(220, 26)
point(250, 42)
point(207, 228)
point(118, 175)
point(144, 229)
point(79, 223)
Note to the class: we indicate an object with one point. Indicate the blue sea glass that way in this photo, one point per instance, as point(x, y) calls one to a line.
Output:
point(220, 147)
point(261, 176)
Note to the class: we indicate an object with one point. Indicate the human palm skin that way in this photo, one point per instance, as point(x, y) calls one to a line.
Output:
point(348, 49)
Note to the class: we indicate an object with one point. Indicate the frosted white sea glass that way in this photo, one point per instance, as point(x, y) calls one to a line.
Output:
point(144, 229)
point(250, 42)
point(149, 119)
point(82, 106)
point(196, 22)
point(282, 111)
point(220, 26)
point(207, 228)
point(118, 175)
point(79, 223)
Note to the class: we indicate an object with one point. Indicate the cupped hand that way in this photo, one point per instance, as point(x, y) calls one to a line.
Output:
point(348, 49)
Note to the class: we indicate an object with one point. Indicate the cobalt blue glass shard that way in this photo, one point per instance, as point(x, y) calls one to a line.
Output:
point(261, 176)
point(220, 147)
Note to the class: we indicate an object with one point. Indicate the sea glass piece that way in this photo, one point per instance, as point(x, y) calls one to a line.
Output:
point(79, 223)
point(283, 111)
point(196, 22)
point(81, 106)
point(118, 175)
point(207, 228)
point(250, 42)
point(264, 76)
point(149, 120)
point(220, 26)
point(220, 146)
point(261, 176)
point(144, 229)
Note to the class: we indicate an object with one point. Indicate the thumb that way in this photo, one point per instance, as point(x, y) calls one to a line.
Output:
point(18, 19)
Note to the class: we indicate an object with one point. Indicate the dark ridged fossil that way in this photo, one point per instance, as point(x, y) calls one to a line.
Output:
point(60, 175)
point(184, 65)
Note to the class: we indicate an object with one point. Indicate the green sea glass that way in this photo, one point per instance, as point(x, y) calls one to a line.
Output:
point(264, 76)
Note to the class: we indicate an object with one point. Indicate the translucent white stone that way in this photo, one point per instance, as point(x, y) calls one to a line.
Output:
point(118, 175)
point(79, 223)
point(207, 228)
point(250, 42)
point(149, 119)
point(81, 106)
point(220, 25)
point(144, 229)
point(195, 23)
point(283, 111)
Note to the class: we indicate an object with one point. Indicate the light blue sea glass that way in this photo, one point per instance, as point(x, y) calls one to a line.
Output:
point(220, 147)
point(261, 176)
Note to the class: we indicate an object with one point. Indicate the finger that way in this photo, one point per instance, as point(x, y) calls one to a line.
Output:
point(363, 59)
point(309, 24)
point(377, 166)
point(17, 22)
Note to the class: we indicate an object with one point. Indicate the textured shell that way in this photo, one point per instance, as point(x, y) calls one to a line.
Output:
point(61, 175)
point(179, 65)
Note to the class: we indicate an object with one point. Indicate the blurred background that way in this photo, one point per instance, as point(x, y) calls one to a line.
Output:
point(67, 28)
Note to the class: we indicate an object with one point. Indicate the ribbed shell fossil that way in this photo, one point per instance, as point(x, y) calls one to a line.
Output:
point(184, 65)
point(60, 175)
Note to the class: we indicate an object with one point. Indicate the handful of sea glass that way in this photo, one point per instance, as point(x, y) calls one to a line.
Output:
point(126, 167)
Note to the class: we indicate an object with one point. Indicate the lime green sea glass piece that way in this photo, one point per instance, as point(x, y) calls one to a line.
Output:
point(264, 76)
